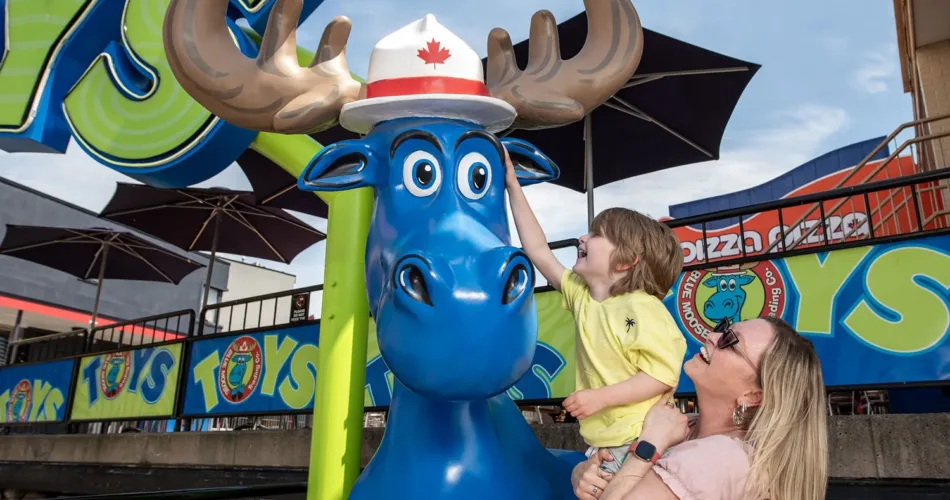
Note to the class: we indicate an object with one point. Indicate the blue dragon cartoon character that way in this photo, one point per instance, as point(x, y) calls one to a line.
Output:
point(452, 298)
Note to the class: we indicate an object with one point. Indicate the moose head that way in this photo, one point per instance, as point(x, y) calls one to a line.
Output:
point(453, 300)
point(727, 300)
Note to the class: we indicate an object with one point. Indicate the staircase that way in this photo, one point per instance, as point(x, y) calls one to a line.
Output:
point(901, 196)
point(897, 211)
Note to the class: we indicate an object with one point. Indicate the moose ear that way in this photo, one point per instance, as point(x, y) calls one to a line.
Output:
point(745, 280)
point(531, 165)
point(712, 282)
point(340, 166)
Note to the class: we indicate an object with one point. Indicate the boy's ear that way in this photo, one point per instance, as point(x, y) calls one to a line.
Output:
point(340, 166)
point(625, 267)
point(531, 165)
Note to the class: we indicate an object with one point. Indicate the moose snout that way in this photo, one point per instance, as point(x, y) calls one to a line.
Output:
point(501, 276)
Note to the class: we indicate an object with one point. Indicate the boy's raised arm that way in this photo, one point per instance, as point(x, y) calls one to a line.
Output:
point(533, 241)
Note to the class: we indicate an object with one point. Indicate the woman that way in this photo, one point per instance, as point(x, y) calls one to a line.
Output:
point(761, 432)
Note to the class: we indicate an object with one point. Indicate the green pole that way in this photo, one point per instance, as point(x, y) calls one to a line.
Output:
point(338, 405)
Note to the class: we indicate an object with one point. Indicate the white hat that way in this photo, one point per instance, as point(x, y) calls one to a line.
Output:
point(424, 70)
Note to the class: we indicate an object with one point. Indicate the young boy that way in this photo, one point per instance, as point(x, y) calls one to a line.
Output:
point(629, 350)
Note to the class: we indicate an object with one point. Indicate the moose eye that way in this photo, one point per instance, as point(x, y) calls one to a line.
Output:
point(421, 173)
point(474, 176)
point(732, 285)
point(723, 286)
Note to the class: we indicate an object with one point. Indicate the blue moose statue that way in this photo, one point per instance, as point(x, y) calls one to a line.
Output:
point(452, 298)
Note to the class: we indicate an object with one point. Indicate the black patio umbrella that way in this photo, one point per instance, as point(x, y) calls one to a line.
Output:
point(275, 187)
point(96, 253)
point(673, 112)
point(212, 219)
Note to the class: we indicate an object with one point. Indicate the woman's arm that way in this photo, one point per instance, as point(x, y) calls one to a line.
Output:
point(626, 484)
point(651, 487)
point(663, 427)
point(588, 475)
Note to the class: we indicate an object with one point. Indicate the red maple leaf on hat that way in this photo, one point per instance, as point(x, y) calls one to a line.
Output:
point(434, 53)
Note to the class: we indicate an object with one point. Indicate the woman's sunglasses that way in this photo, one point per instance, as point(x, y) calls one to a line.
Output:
point(728, 338)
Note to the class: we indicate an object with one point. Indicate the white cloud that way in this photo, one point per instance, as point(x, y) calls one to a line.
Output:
point(878, 69)
point(834, 44)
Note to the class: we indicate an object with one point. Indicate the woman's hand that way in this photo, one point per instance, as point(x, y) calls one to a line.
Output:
point(664, 425)
point(588, 479)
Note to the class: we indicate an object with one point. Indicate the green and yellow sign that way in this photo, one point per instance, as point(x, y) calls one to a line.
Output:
point(128, 384)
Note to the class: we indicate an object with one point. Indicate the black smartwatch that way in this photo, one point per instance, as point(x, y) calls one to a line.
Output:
point(645, 451)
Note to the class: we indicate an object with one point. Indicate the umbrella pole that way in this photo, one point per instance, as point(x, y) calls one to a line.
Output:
point(589, 169)
point(102, 273)
point(214, 250)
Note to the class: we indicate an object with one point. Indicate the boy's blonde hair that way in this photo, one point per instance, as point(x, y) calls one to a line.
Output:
point(636, 235)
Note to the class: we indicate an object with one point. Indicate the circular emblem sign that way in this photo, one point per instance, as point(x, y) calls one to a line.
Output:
point(114, 374)
point(21, 400)
point(240, 369)
point(706, 297)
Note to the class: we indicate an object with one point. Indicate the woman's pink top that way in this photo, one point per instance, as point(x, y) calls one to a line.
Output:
point(711, 468)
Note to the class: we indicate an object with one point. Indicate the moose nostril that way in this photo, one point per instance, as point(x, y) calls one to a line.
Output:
point(516, 284)
point(414, 284)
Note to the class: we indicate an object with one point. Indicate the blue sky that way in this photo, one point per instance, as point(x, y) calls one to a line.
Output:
point(829, 77)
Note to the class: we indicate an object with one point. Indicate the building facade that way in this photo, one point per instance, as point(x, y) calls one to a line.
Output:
point(923, 42)
point(250, 279)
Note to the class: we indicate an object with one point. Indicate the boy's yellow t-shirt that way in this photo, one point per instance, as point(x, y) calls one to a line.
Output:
point(615, 339)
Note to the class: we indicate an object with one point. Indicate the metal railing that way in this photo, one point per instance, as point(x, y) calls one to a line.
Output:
point(156, 329)
point(291, 308)
point(263, 311)
point(48, 347)
point(833, 229)
point(926, 151)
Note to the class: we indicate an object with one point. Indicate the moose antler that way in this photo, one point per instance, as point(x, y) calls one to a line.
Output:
point(552, 92)
point(272, 93)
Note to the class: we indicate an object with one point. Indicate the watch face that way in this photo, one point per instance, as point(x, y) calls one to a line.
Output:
point(645, 450)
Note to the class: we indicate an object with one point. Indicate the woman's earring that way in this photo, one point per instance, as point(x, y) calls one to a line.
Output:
point(738, 415)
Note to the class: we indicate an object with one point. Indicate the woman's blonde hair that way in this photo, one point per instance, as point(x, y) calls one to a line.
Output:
point(636, 235)
point(789, 431)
